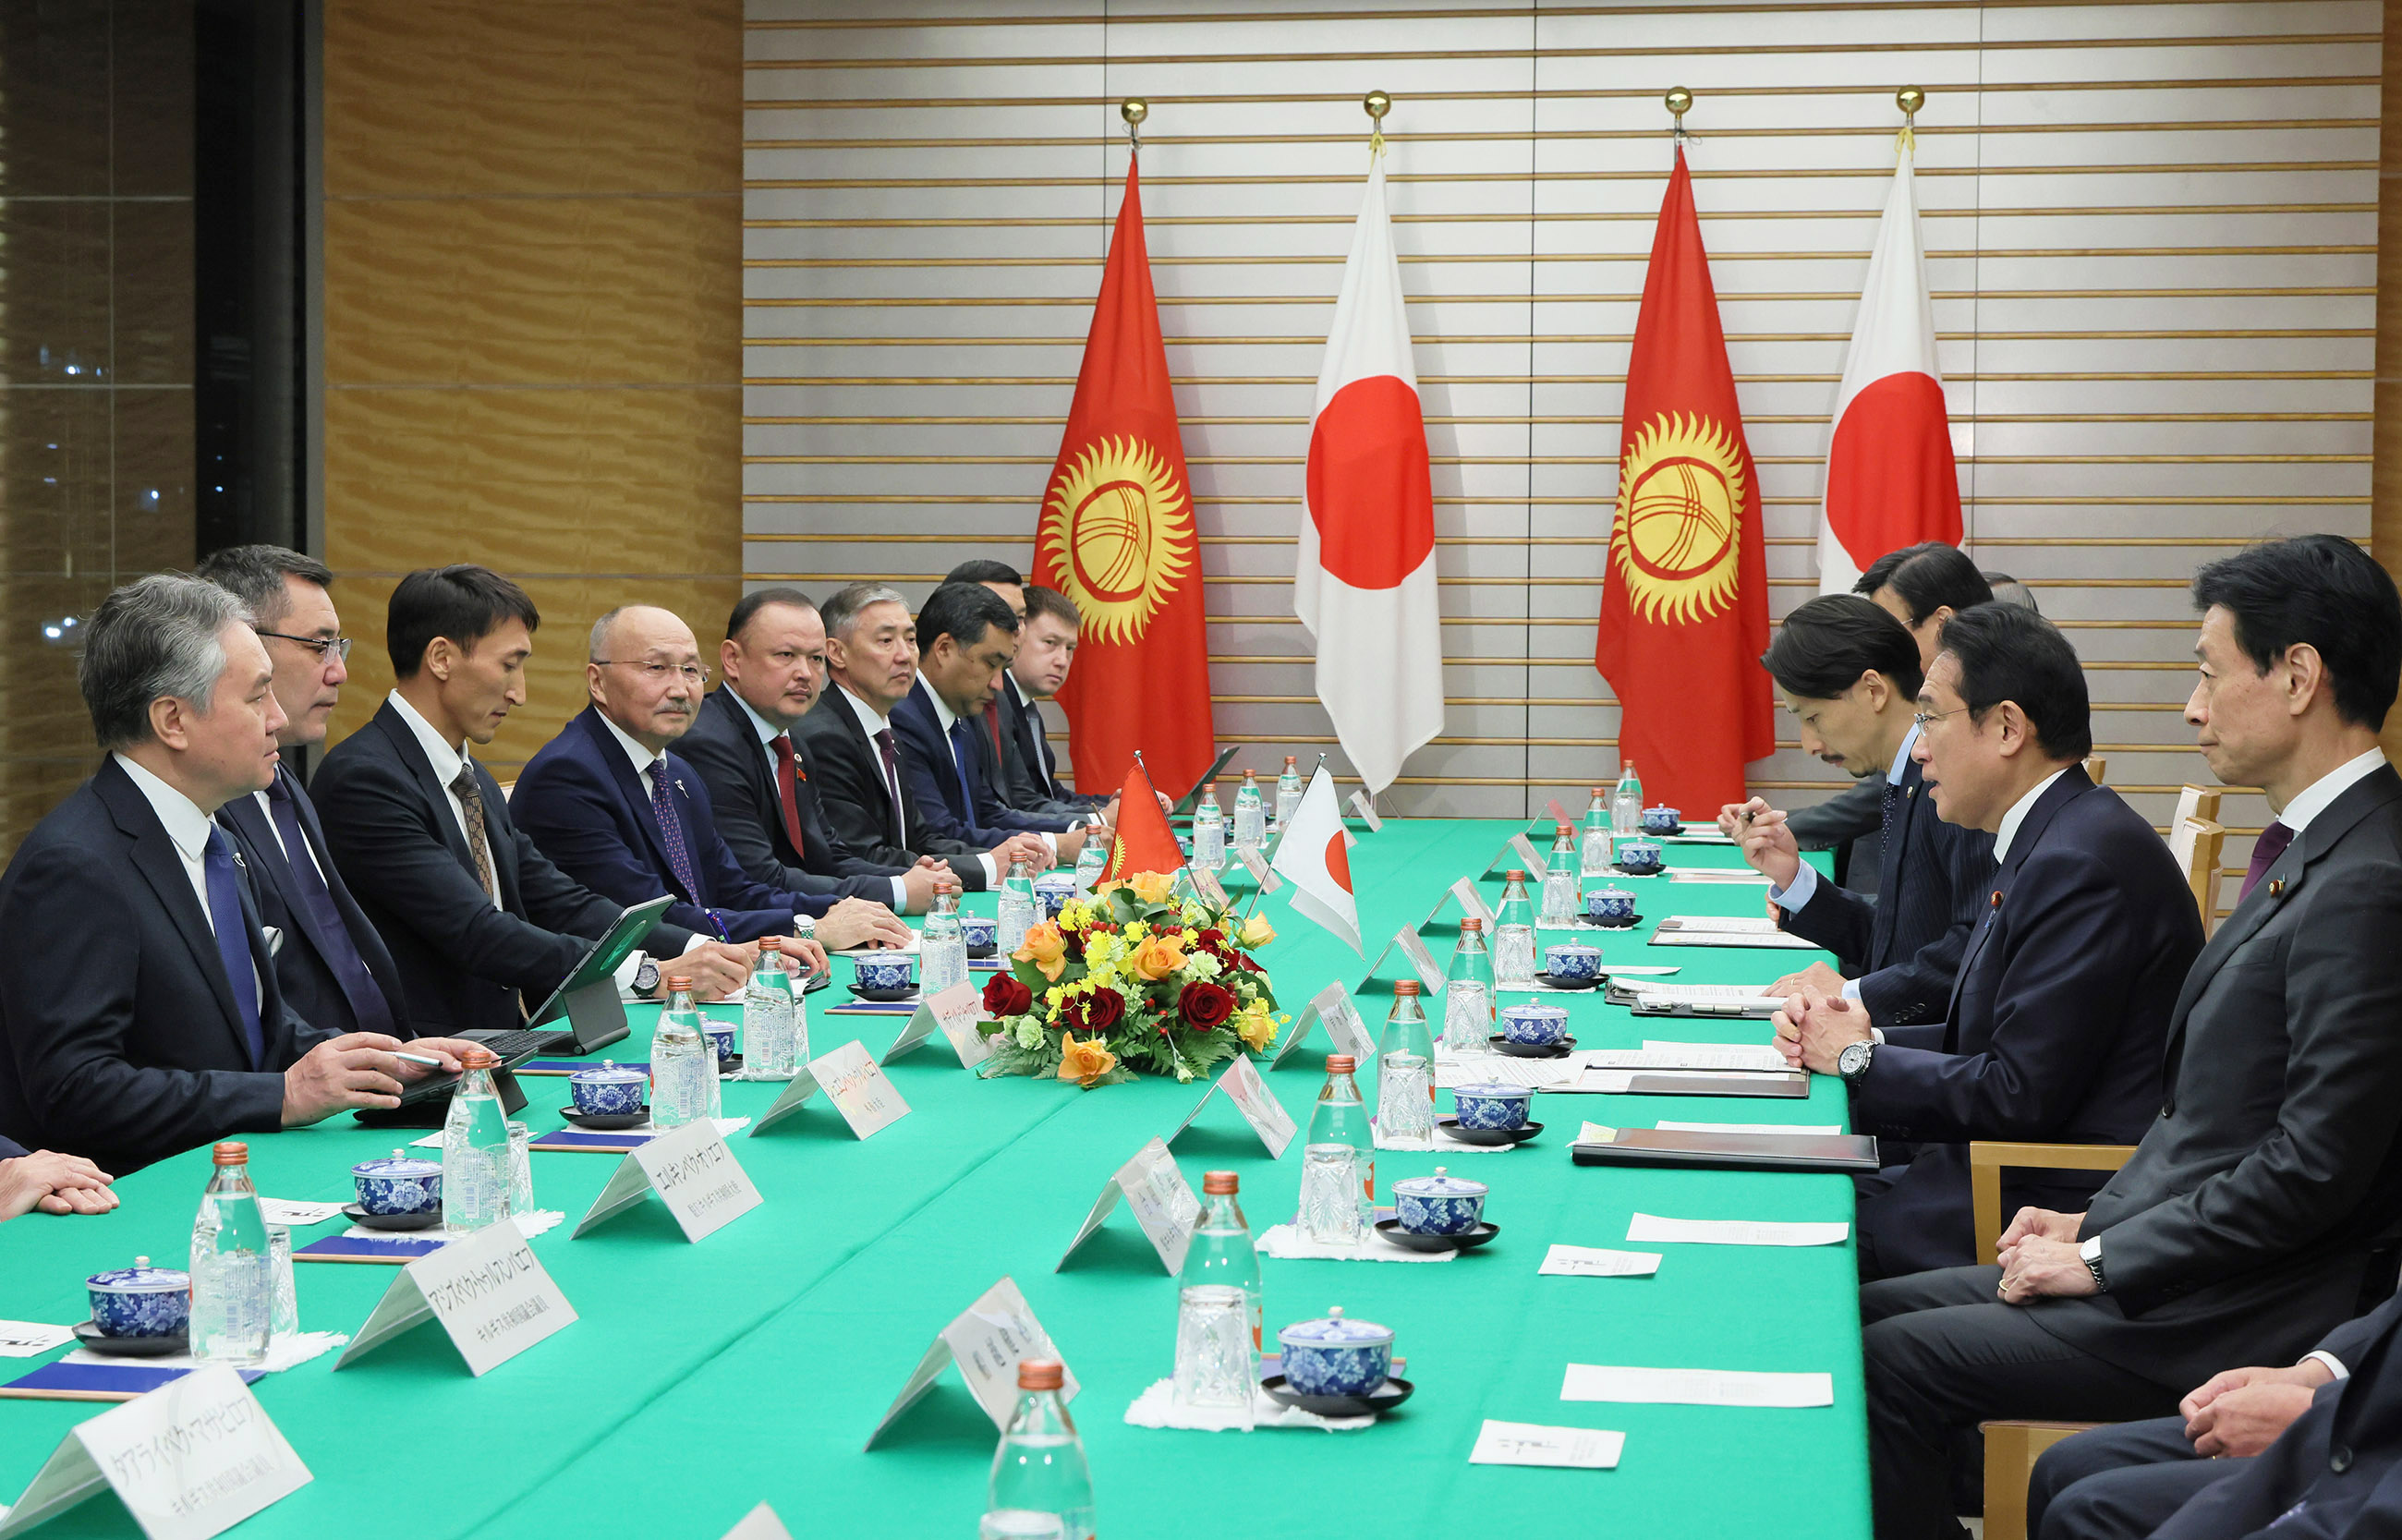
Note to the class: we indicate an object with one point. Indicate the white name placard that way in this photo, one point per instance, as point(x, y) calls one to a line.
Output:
point(1267, 1117)
point(1260, 871)
point(1471, 904)
point(691, 1170)
point(1163, 1203)
point(1524, 849)
point(988, 1340)
point(491, 1293)
point(1421, 961)
point(1206, 886)
point(189, 1460)
point(1332, 1007)
point(960, 1004)
point(860, 1094)
point(1367, 811)
point(760, 1523)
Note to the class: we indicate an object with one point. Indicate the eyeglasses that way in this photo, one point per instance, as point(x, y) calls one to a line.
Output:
point(338, 647)
point(654, 672)
point(1923, 718)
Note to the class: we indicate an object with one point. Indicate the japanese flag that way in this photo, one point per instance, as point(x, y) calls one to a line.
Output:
point(1315, 855)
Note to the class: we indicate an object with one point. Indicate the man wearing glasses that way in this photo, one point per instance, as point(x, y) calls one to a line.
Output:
point(608, 802)
point(334, 970)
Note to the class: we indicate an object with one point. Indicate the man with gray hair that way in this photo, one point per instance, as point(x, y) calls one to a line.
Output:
point(140, 1013)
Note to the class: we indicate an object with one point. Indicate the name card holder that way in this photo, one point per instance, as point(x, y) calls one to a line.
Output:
point(1471, 904)
point(953, 1012)
point(1420, 960)
point(1261, 872)
point(1162, 1201)
point(1332, 1007)
point(1205, 884)
point(988, 1340)
point(692, 1173)
point(760, 1523)
point(491, 1294)
point(1267, 1117)
point(1367, 811)
point(866, 1100)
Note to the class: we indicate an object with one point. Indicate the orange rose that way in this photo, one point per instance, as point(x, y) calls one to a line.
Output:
point(1157, 957)
point(1085, 1062)
point(1153, 886)
point(1045, 949)
point(1257, 1029)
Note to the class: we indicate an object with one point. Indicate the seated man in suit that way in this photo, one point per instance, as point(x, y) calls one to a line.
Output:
point(2244, 1227)
point(54, 1183)
point(140, 1013)
point(1046, 647)
point(482, 926)
point(332, 965)
point(2055, 1024)
point(858, 759)
point(1850, 675)
point(966, 636)
point(620, 814)
point(773, 659)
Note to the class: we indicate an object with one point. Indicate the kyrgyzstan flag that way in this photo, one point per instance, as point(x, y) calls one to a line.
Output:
point(1684, 605)
point(1365, 585)
point(1143, 841)
point(1116, 537)
point(1890, 478)
point(1315, 855)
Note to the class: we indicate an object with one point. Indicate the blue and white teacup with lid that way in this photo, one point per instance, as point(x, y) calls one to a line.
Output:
point(608, 1090)
point(1534, 1025)
point(1492, 1106)
point(1335, 1356)
point(1639, 856)
point(1609, 906)
point(1053, 891)
point(1440, 1204)
point(981, 934)
point(141, 1301)
point(721, 1037)
point(891, 973)
point(398, 1183)
point(1663, 820)
point(1572, 960)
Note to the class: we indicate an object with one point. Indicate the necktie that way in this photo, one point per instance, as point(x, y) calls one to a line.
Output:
point(962, 750)
point(1888, 811)
point(233, 938)
point(334, 941)
point(671, 830)
point(471, 803)
point(992, 722)
point(2265, 851)
point(893, 783)
point(787, 793)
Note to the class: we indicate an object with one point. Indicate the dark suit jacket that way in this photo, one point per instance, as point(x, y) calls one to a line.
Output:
point(2054, 1028)
point(1851, 818)
point(119, 1038)
point(310, 986)
point(849, 779)
point(10, 1149)
point(1030, 776)
point(973, 815)
point(1906, 944)
point(2241, 1227)
point(582, 802)
point(725, 750)
point(463, 963)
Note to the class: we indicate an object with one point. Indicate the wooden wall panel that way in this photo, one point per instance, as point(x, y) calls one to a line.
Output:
point(533, 316)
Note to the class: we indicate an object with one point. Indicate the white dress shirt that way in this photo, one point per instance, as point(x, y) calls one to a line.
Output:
point(2017, 815)
point(188, 829)
point(769, 733)
point(1806, 881)
point(1049, 766)
point(874, 721)
point(447, 763)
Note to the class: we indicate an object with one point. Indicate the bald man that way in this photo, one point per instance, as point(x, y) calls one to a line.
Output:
point(613, 809)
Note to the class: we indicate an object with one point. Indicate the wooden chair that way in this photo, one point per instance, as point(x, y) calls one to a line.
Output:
point(507, 787)
point(2011, 1447)
point(2196, 844)
point(2097, 769)
point(2195, 801)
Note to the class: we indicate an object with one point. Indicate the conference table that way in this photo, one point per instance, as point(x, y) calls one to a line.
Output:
point(702, 1379)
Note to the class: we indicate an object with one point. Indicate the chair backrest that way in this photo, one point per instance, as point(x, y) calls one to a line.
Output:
point(2197, 844)
point(2097, 769)
point(2195, 801)
point(507, 787)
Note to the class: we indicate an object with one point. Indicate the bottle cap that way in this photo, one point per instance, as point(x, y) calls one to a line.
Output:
point(1599, 793)
point(1341, 1063)
point(231, 1152)
point(1516, 876)
point(1040, 1374)
point(1408, 988)
point(1472, 923)
point(1292, 760)
point(1564, 831)
point(1219, 1184)
point(475, 1058)
point(771, 945)
point(679, 981)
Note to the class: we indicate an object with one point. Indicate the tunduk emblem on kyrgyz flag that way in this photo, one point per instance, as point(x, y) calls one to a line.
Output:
point(1120, 528)
point(1680, 506)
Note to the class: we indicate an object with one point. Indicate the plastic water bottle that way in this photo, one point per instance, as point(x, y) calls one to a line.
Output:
point(1217, 1308)
point(1017, 910)
point(1091, 861)
point(1289, 789)
point(233, 1273)
point(1405, 1072)
point(1626, 802)
point(1562, 894)
point(1250, 817)
point(770, 1018)
point(1039, 1473)
point(942, 948)
point(1514, 937)
point(684, 1065)
point(1596, 850)
point(1468, 1010)
point(1221, 1251)
point(476, 1168)
point(1208, 833)
point(1338, 1167)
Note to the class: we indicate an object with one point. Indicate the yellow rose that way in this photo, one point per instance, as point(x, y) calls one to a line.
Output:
point(1045, 949)
point(1153, 886)
point(1084, 1062)
point(1158, 956)
point(1257, 931)
point(1258, 1029)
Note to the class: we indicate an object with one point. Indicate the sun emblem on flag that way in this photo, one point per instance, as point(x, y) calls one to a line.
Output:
point(1118, 529)
point(1680, 505)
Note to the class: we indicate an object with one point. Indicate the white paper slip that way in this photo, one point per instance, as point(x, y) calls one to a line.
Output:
point(1694, 835)
point(1650, 993)
point(1728, 877)
point(1568, 1261)
point(1750, 1128)
point(1621, 970)
point(1285, 1243)
point(1678, 1057)
point(1749, 924)
point(1500, 1443)
point(287, 1349)
point(1780, 941)
point(29, 1338)
point(1696, 1387)
point(1651, 1228)
point(1533, 1074)
point(295, 1214)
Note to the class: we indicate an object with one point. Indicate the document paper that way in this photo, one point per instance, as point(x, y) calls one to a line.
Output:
point(1651, 1228)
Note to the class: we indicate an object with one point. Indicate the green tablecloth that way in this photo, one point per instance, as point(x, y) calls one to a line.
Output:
point(702, 1379)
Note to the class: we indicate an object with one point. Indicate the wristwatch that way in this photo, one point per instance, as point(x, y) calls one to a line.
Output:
point(2089, 1253)
point(1853, 1062)
point(646, 976)
point(805, 927)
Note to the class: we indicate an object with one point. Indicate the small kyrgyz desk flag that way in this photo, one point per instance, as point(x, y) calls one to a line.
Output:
point(1116, 537)
point(1315, 855)
point(1684, 605)
point(1142, 841)
point(1891, 481)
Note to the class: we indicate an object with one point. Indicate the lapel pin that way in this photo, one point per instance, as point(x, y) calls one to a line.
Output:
point(1997, 897)
point(2276, 887)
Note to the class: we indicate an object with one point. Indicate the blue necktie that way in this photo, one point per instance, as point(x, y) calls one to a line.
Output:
point(233, 938)
point(671, 831)
point(369, 1006)
point(962, 748)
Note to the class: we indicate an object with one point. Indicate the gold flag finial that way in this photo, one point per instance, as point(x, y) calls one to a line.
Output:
point(1376, 104)
point(1909, 99)
point(1679, 101)
point(1134, 109)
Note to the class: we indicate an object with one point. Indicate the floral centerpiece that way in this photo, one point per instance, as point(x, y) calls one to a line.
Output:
point(1134, 981)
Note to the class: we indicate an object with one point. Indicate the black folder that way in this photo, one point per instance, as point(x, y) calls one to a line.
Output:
point(1658, 1147)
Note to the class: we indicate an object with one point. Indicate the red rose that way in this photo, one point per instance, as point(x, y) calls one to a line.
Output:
point(1206, 1006)
point(1097, 1013)
point(1003, 996)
